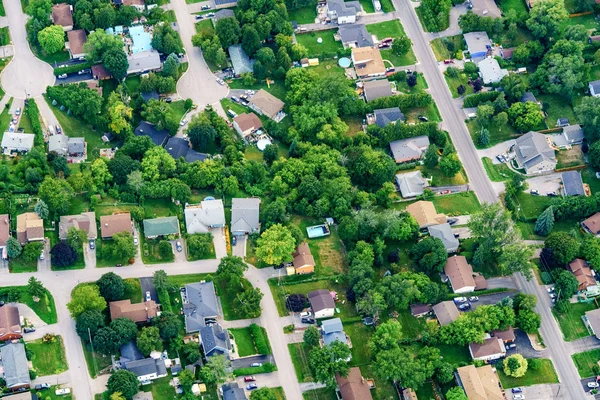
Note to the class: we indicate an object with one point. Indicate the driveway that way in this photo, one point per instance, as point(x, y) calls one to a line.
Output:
point(492, 152)
point(246, 362)
point(74, 78)
point(501, 282)
point(584, 383)
point(89, 255)
point(523, 346)
point(44, 265)
point(179, 255)
point(542, 392)
point(28, 314)
point(219, 242)
point(240, 247)
point(545, 184)
point(262, 380)
point(491, 299)
point(148, 286)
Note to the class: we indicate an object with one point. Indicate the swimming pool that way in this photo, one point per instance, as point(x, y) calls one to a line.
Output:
point(317, 231)
point(141, 39)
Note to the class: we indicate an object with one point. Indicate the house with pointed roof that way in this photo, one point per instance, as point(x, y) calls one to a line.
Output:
point(332, 330)
point(303, 262)
point(4, 231)
point(594, 88)
point(158, 136)
point(10, 323)
point(584, 275)
point(214, 340)
point(113, 224)
point(573, 134)
point(353, 386)
point(200, 306)
point(425, 214)
point(507, 335)
point(268, 105)
point(592, 224)
point(385, 116)
point(343, 12)
point(410, 149)
point(137, 312)
point(368, 62)
point(15, 367)
point(160, 227)
point(534, 153)
point(480, 383)
point(30, 228)
point(321, 303)
point(85, 221)
point(62, 14)
point(492, 348)
point(77, 40)
point(377, 89)
point(147, 369)
point(245, 124)
point(572, 184)
point(445, 234)
point(232, 391)
point(460, 274)
point(245, 215)
point(355, 35)
point(201, 218)
point(411, 184)
point(592, 320)
point(446, 312)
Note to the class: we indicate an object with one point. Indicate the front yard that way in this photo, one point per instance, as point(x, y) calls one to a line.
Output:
point(440, 49)
point(303, 15)
point(571, 324)
point(20, 264)
point(326, 49)
point(250, 341)
point(454, 82)
point(299, 355)
point(450, 204)
point(497, 172)
point(586, 361)
point(44, 308)
point(48, 358)
point(496, 134)
point(546, 374)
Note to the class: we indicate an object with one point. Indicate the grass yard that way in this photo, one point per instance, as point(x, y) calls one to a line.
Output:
point(5, 117)
point(546, 374)
point(439, 179)
point(556, 107)
point(456, 81)
point(571, 323)
point(411, 326)
point(456, 355)
point(518, 5)
point(48, 358)
point(133, 290)
point(328, 251)
point(299, 355)
point(399, 61)
point(50, 394)
point(569, 158)
point(431, 112)
point(150, 254)
point(589, 176)
point(441, 51)
point(19, 264)
point(156, 208)
point(160, 388)
point(246, 341)
point(178, 109)
point(2, 10)
point(326, 49)
point(25, 122)
point(386, 29)
point(4, 36)
point(303, 15)
point(104, 257)
point(426, 391)
point(360, 334)
point(320, 394)
point(497, 135)
point(205, 26)
point(384, 389)
point(132, 83)
point(496, 172)
point(589, 21)
point(328, 68)
point(367, 6)
point(387, 6)
point(228, 295)
point(450, 204)
point(276, 88)
point(585, 362)
point(45, 308)
point(51, 59)
point(531, 205)
point(96, 362)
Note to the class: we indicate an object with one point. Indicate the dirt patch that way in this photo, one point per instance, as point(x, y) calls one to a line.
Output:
point(332, 259)
point(569, 158)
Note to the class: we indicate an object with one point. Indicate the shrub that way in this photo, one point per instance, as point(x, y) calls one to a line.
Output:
point(260, 339)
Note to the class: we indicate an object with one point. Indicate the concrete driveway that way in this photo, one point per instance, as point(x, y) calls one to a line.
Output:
point(89, 255)
point(179, 255)
point(492, 152)
point(44, 265)
point(542, 392)
point(248, 361)
point(545, 183)
point(219, 242)
point(148, 286)
point(240, 247)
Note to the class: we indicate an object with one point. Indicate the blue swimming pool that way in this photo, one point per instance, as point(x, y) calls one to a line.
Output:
point(317, 231)
point(141, 39)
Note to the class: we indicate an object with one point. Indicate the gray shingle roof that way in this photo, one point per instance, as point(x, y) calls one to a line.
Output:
point(329, 338)
point(321, 300)
point(58, 144)
point(146, 366)
point(411, 183)
point(199, 218)
point(158, 137)
point(377, 89)
point(573, 133)
point(356, 34)
point(446, 312)
point(215, 340)
point(386, 116)
point(225, 13)
point(596, 86)
point(343, 9)
point(573, 185)
point(477, 42)
point(16, 371)
point(332, 325)
point(177, 147)
point(409, 149)
point(245, 214)
point(130, 352)
point(76, 145)
point(201, 304)
point(232, 391)
point(240, 61)
point(445, 234)
point(528, 96)
point(531, 149)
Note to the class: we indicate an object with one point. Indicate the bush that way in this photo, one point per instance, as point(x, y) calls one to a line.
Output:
point(476, 99)
point(260, 339)
point(165, 249)
point(535, 364)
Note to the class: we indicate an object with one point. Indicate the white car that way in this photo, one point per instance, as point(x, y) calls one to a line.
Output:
point(148, 297)
point(60, 392)
point(518, 397)
point(42, 255)
point(135, 240)
point(550, 289)
point(220, 82)
point(62, 76)
point(593, 385)
point(305, 314)
point(459, 300)
point(183, 122)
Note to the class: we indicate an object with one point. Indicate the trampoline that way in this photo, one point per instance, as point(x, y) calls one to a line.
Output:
point(344, 62)
point(262, 143)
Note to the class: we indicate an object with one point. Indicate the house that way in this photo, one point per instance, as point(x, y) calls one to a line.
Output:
point(411, 184)
point(478, 44)
point(225, 3)
point(62, 14)
point(592, 224)
point(164, 226)
point(420, 310)
point(130, 352)
point(460, 274)
point(368, 62)
point(528, 96)
point(486, 8)
point(492, 348)
point(15, 367)
point(386, 116)
point(303, 262)
point(344, 12)
point(85, 221)
point(200, 306)
point(594, 87)
point(76, 147)
point(100, 73)
point(410, 149)
point(592, 319)
point(245, 124)
point(201, 218)
point(507, 53)
point(507, 335)
point(139, 5)
point(534, 154)
point(227, 13)
point(332, 330)
point(355, 35)
point(4, 232)
point(147, 369)
point(490, 71)
point(112, 224)
point(137, 312)
point(377, 89)
point(239, 60)
point(572, 184)
point(353, 386)
point(446, 312)
point(425, 214)
point(563, 122)
point(64, 146)
point(159, 137)
point(321, 303)
point(245, 215)
point(584, 275)
point(10, 324)
point(30, 228)
point(17, 142)
point(232, 391)
point(445, 234)
point(214, 340)
point(572, 133)
point(76, 40)
point(147, 96)
point(143, 61)
point(407, 394)
point(179, 147)
point(480, 383)
point(268, 105)
point(93, 85)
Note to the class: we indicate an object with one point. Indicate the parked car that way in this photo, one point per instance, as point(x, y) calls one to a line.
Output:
point(42, 255)
point(18, 111)
point(220, 81)
point(205, 7)
point(62, 76)
point(459, 300)
point(535, 192)
point(423, 118)
point(28, 330)
point(183, 122)
point(552, 295)
point(256, 365)
point(448, 61)
point(551, 194)
point(464, 306)
point(593, 385)
point(92, 244)
point(178, 246)
point(58, 130)
point(60, 392)
point(307, 320)
point(83, 71)
point(119, 265)
point(233, 240)
point(511, 346)
point(42, 386)
point(148, 296)
point(518, 397)
point(251, 386)
point(305, 314)
point(169, 100)
point(550, 289)
point(517, 390)
point(452, 221)
point(210, 15)
point(249, 378)
point(473, 298)
point(233, 98)
point(199, 16)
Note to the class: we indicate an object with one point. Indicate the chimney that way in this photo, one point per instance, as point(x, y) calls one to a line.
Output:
point(106, 224)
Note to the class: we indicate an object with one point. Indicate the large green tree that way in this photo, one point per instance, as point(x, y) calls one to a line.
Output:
point(275, 245)
point(564, 247)
point(88, 323)
point(57, 194)
point(545, 222)
point(430, 254)
point(111, 286)
point(515, 365)
point(545, 18)
point(149, 340)
point(84, 298)
point(52, 38)
point(326, 361)
point(124, 382)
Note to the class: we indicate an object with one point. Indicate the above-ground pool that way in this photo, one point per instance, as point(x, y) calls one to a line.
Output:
point(317, 231)
point(344, 62)
point(262, 143)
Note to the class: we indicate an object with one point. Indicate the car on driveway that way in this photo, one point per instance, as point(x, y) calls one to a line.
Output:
point(473, 298)
point(233, 240)
point(459, 300)
point(517, 390)
point(62, 76)
point(148, 296)
point(593, 385)
point(305, 314)
point(551, 194)
point(135, 240)
point(535, 192)
point(249, 378)
point(205, 7)
point(28, 330)
point(178, 246)
point(307, 321)
point(251, 386)
point(42, 255)
point(464, 306)
point(42, 386)
point(256, 365)
point(518, 397)
point(92, 244)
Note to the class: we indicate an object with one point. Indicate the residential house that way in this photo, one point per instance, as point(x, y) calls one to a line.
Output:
point(377, 89)
point(58, 144)
point(200, 306)
point(572, 133)
point(491, 349)
point(480, 383)
point(15, 367)
point(562, 122)
point(179, 147)
point(572, 184)
point(227, 13)
point(22, 396)
point(507, 335)
point(490, 71)
point(368, 62)
point(446, 312)
point(159, 137)
point(344, 12)
point(407, 394)
point(592, 224)
point(10, 323)
point(410, 149)
point(460, 274)
point(160, 227)
point(425, 214)
point(30, 228)
point(584, 275)
point(245, 215)
point(332, 330)
point(303, 262)
point(420, 310)
point(201, 218)
point(411, 184)
point(478, 44)
point(76, 147)
point(321, 303)
point(245, 124)
point(385, 116)
point(232, 391)
point(76, 40)
point(147, 96)
point(214, 340)
point(445, 234)
point(139, 5)
point(353, 386)
point(147, 369)
point(85, 221)
point(62, 14)
point(225, 3)
point(355, 35)
point(534, 154)
point(143, 61)
point(592, 319)
point(528, 96)
point(112, 224)
point(486, 8)
point(100, 73)
point(239, 60)
point(268, 105)
point(137, 312)
point(594, 87)
point(16, 142)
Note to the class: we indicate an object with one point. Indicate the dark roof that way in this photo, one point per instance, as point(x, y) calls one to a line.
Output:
point(130, 352)
point(76, 145)
point(201, 303)
point(214, 339)
point(419, 309)
point(321, 300)
point(356, 34)
point(177, 147)
point(146, 366)
point(159, 137)
point(528, 96)
point(193, 155)
point(573, 185)
point(232, 391)
point(563, 122)
point(99, 72)
point(150, 95)
point(386, 116)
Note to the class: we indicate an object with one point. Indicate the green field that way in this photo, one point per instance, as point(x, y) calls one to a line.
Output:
point(496, 134)
point(19, 264)
point(546, 374)
point(387, 29)
point(328, 48)
point(450, 204)
point(585, 362)
point(532, 205)
point(571, 324)
point(399, 61)
point(299, 355)
point(557, 108)
point(245, 340)
point(45, 308)
point(303, 15)
point(48, 358)
point(454, 82)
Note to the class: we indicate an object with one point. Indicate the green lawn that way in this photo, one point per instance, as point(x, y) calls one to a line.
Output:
point(320, 394)
point(450, 204)
point(387, 6)
point(133, 290)
point(25, 122)
point(327, 251)
point(244, 341)
point(518, 5)
point(546, 374)
point(585, 362)
point(456, 355)
point(589, 176)
point(303, 15)
point(45, 308)
point(299, 355)
point(571, 323)
point(156, 208)
point(441, 51)
point(496, 172)
point(456, 81)
point(132, 83)
point(4, 36)
point(387, 29)
point(19, 264)
point(589, 21)
point(399, 61)
point(48, 358)
point(160, 388)
point(360, 334)
point(328, 47)
point(411, 326)
point(5, 118)
point(96, 362)
point(497, 135)
point(152, 255)
point(169, 16)
point(439, 179)
point(532, 205)
point(178, 109)
point(205, 26)
point(556, 108)
point(367, 6)
point(228, 295)
point(51, 59)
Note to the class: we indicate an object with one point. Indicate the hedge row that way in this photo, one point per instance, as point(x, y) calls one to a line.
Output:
point(402, 101)
point(476, 99)
point(261, 341)
point(34, 115)
point(70, 69)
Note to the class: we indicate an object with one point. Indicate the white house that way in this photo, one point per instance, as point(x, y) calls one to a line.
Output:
point(17, 142)
point(322, 304)
point(491, 349)
point(343, 12)
point(490, 71)
point(200, 218)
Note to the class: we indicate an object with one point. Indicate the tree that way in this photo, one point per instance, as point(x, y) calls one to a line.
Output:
point(106, 341)
point(168, 325)
point(450, 165)
point(52, 38)
point(35, 288)
point(371, 304)
point(41, 209)
point(199, 245)
point(63, 255)
point(577, 33)
point(57, 194)
point(160, 280)
point(483, 138)
point(565, 283)
point(545, 18)
point(216, 370)
point(326, 361)
point(311, 336)
point(456, 393)
point(564, 247)
point(171, 66)
point(264, 393)
point(430, 254)
point(119, 115)
point(228, 30)
point(117, 395)
point(157, 164)
point(414, 369)
point(201, 133)
point(149, 340)
point(13, 247)
point(525, 116)
point(85, 298)
point(485, 112)
point(431, 156)
point(590, 249)
point(275, 245)
point(231, 269)
point(88, 323)
point(251, 41)
point(248, 302)
point(115, 62)
point(545, 222)
point(124, 382)
point(123, 246)
point(529, 321)
point(411, 80)
point(76, 238)
point(191, 351)
point(445, 372)
point(461, 89)
point(165, 250)
point(401, 45)
point(125, 328)
point(32, 251)
point(270, 154)
point(296, 302)
point(513, 86)
point(515, 366)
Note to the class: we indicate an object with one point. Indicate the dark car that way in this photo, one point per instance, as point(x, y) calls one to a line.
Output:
point(249, 378)
point(251, 386)
point(233, 240)
point(517, 390)
point(452, 221)
point(28, 330)
point(464, 306)
point(307, 320)
point(168, 100)
point(423, 118)
point(42, 386)
point(92, 244)
point(551, 194)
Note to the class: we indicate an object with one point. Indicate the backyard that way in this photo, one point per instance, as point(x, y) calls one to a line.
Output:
point(450, 204)
point(556, 107)
point(44, 308)
point(568, 158)
point(440, 49)
point(303, 15)
point(48, 358)
point(326, 49)
point(496, 134)
point(586, 361)
point(571, 324)
point(454, 82)
point(546, 374)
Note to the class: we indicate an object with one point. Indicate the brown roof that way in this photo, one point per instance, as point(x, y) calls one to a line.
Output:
point(409, 394)
point(425, 214)
point(61, 14)
point(137, 312)
point(77, 39)
point(583, 273)
point(302, 256)
point(507, 53)
point(321, 300)
point(446, 312)
point(111, 224)
point(507, 335)
point(354, 386)
point(85, 221)
point(29, 227)
point(593, 223)
point(480, 383)
point(419, 309)
point(134, 2)
point(94, 86)
point(99, 72)
point(367, 61)
point(489, 347)
point(9, 320)
point(4, 229)
point(267, 103)
point(459, 272)
point(248, 121)
point(480, 282)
